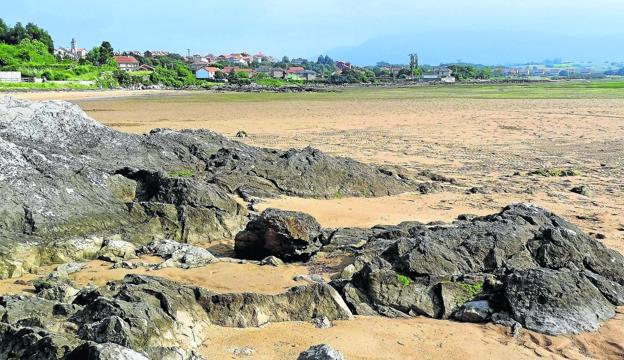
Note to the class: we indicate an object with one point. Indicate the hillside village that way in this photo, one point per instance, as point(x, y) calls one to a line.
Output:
point(28, 59)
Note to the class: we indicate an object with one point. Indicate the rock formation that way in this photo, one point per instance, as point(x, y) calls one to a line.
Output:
point(72, 185)
point(524, 262)
point(148, 315)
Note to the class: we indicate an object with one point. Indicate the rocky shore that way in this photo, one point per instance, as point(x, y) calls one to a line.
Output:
point(76, 190)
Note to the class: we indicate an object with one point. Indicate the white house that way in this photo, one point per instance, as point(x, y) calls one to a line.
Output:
point(206, 73)
point(442, 74)
point(10, 76)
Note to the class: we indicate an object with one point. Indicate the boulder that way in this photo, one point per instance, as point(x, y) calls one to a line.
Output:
point(271, 260)
point(321, 352)
point(117, 250)
point(289, 235)
point(55, 288)
point(474, 311)
point(179, 255)
point(321, 322)
point(525, 261)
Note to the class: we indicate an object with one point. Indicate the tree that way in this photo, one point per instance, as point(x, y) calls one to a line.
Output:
point(105, 53)
point(16, 34)
point(285, 59)
point(93, 56)
point(403, 73)
point(4, 29)
point(34, 32)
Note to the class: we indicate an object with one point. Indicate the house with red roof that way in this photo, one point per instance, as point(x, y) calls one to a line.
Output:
point(127, 63)
point(295, 69)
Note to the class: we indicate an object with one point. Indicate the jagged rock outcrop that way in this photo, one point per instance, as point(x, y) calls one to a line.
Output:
point(70, 184)
point(525, 261)
point(149, 316)
point(289, 235)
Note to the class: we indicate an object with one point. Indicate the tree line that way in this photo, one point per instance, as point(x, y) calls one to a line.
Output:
point(13, 35)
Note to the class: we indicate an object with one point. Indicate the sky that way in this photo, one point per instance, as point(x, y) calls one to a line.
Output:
point(309, 28)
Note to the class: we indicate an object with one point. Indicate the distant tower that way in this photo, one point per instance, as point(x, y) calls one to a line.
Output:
point(413, 61)
point(74, 46)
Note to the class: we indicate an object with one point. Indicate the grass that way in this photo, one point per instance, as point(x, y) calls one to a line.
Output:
point(182, 173)
point(404, 280)
point(45, 86)
point(472, 289)
point(604, 89)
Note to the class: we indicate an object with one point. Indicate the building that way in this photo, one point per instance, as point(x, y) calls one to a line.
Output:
point(206, 73)
point(260, 58)
point(152, 53)
point(74, 52)
point(10, 76)
point(295, 70)
point(441, 74)
point(343, 65)
point(238, 59)
point(277, 73)
point(127, 63)
point(307, 75)
point(146, 67)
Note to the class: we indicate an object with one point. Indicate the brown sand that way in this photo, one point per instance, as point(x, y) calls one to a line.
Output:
point(219, 277)
point(481, 143)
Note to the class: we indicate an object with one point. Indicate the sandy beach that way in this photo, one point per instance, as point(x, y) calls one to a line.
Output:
point(486, 148)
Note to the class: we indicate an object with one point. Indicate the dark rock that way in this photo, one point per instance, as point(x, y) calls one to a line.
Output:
point(347, 238)
point(321, 352)
point(556, 302)
point(69, 182)
point(474, 311)
point(107, 351)
point(611, 290)
point(55, 288)
point(582, 190)
point(288, 235)
point(32, 343)
point(112, 329)
point(546, 272)
point(87, 295)
point(321, 322)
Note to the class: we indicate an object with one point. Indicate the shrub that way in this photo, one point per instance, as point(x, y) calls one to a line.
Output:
point(404, 280)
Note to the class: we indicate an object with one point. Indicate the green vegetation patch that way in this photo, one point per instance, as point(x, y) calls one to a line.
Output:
point(472, 289)
point(404, 280)
point(182, 173)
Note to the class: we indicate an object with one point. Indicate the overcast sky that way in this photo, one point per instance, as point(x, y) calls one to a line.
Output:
point(299, 28)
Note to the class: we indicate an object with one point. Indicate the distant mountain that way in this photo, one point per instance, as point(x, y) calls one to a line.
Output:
point(495, 47)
